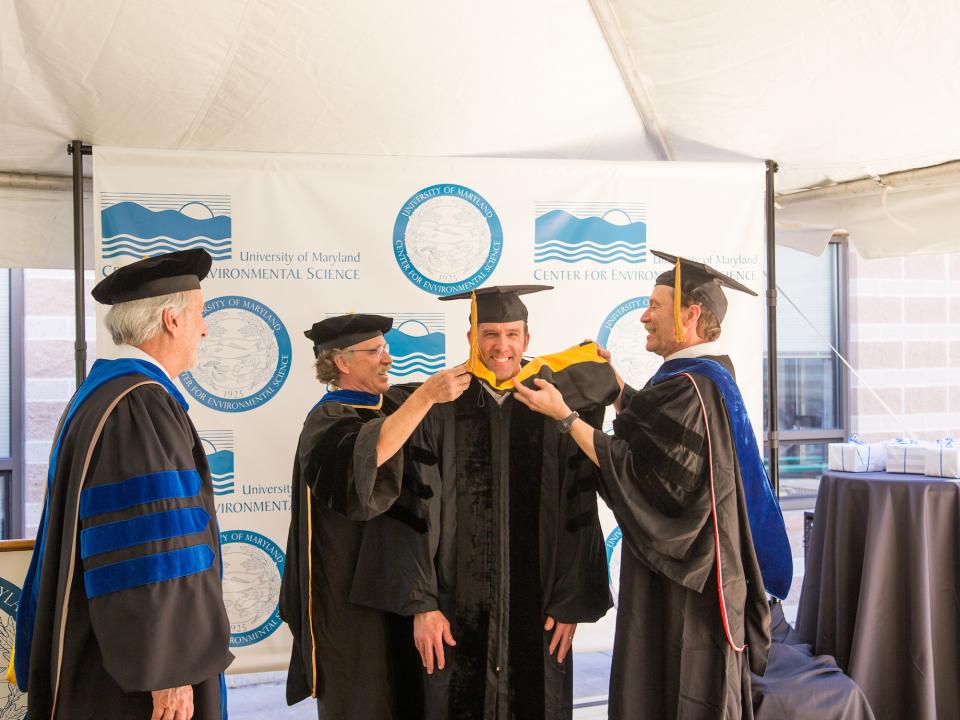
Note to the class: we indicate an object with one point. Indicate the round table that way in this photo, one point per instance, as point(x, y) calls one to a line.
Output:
point(881, 591)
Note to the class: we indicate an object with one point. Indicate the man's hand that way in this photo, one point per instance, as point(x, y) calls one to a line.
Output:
point(430, 631)
point(547, 400)
point(447, 385)
point(562, 637)
point(173, 703)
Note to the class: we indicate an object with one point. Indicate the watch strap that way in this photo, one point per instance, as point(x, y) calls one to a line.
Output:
point(567, 423)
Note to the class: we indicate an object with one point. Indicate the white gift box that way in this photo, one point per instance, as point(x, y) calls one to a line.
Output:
point(907, 457)
point(855, 456)
point(943, 460)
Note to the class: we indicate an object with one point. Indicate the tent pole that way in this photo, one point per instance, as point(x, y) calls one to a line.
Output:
point(77, 149)
point(773, 434)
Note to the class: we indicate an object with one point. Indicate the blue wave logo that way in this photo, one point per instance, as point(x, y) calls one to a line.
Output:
point(143, 229)
point(416, 347)
point(612, 237)
point(221, 470)
point(218, 446)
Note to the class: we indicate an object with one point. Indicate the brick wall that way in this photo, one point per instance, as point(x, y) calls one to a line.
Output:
point(49, 367)
point(905, 344)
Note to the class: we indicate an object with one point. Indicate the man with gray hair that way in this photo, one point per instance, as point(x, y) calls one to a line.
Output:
point(348, 473)
point(122, 613)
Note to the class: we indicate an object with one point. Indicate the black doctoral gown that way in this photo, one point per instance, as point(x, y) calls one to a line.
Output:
point(358, 662)
point(671, 658)
point(500, 531)
point(136, 554)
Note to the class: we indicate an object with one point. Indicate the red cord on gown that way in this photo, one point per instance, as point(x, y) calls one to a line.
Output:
point(716, 527)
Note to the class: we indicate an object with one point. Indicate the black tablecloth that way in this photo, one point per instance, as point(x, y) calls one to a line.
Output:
point(881, 591)
point(801, 686)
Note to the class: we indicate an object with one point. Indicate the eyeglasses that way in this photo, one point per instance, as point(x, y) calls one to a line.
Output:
point(379, 350)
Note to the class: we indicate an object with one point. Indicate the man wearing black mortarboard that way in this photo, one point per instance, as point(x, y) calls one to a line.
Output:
point(347, 472)
point(121, 613)
point(685, 480)
point(509, 556)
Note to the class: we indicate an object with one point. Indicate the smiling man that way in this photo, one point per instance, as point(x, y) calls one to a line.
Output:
point(502, 553)
point(501, 346)
point(347, 473)
point(685, 480)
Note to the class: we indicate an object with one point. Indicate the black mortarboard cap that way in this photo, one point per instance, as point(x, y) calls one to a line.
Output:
point(342, 331)
point(154, 276)
point(500, 303)
point(701, 282)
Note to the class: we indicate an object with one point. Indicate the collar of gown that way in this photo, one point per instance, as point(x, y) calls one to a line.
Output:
point(135, 353)
point(695, 351)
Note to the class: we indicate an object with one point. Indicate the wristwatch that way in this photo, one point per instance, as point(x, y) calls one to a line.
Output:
point(567, 423)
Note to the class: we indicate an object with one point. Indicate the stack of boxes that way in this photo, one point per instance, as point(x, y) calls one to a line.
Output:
point(936, 459)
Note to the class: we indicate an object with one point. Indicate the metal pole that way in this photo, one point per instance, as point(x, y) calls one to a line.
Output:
point(77, 149)
point(773, 434)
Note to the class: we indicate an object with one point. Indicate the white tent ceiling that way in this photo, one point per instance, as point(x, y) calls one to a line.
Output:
point(830, 90)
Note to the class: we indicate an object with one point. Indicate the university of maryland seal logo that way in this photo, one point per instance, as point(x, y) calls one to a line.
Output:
point(252, 569)
point(13, 703)
point(245, 358)
point(447, 239)
point(623, 334)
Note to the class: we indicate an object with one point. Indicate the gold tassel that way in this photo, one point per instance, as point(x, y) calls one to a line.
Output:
point(677, 325)
point(11, 673)
point(475, 365)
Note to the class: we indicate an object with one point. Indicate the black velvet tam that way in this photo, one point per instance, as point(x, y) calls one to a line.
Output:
point(343, 331)
point(154, 276)
point(701, 282)
point(500, 303)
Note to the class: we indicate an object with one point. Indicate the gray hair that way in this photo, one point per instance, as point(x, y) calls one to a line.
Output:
point(136, 321)
point(708, 326)
point(326, 366)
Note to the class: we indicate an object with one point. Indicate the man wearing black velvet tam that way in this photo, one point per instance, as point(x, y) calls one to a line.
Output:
point(684, 478)
point(357, 662)
point(122, 613)
point(502, 554)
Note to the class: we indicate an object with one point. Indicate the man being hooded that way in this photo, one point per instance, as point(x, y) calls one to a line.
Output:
point(685, 480)
point(501, 553)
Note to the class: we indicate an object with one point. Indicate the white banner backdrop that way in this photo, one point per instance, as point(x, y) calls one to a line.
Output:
point(297, 238)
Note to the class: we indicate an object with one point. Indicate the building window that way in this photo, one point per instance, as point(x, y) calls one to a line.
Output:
point(811, 382)
point(11, 402)
point(5, 358)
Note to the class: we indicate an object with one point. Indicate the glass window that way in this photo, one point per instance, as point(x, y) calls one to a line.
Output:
point(808, 372)
point(5, 387)
point(9, 446)
point(810, 408)
point(801, 465)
